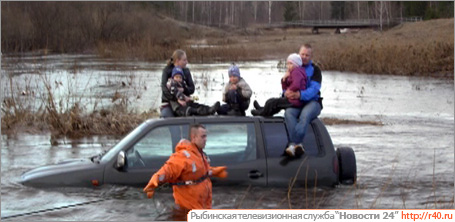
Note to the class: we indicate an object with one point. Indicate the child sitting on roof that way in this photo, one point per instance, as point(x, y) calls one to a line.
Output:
point(183, 105)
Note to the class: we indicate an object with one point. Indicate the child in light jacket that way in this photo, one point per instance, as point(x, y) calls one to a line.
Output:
point(236, 95)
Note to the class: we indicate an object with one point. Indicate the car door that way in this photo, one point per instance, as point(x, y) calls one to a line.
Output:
point(233, 142)
point(146, 156)
point(283, 169)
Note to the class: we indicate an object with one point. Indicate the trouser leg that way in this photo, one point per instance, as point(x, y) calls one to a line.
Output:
point(309, 112)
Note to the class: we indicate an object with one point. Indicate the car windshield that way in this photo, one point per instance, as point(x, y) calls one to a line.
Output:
point(114, 151)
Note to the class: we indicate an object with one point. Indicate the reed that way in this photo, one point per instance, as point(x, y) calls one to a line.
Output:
point(61, 110)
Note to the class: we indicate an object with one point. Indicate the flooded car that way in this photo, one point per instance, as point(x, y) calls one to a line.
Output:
point(251, 147)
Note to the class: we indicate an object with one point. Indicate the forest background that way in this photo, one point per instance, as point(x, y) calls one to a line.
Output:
point(239, 30)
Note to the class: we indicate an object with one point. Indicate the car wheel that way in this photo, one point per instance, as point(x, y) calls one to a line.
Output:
point(348, 166)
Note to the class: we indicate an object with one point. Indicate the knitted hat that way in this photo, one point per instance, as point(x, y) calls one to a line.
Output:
point(295, 59)
point(234, 71)
point(177, 70)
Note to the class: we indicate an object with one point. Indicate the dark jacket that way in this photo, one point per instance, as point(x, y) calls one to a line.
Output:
point(167, 73)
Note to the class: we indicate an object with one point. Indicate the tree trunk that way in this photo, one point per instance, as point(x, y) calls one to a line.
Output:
point(358, 10)
point(380, 14)
point(255, 8)
point(232, 13)
point(221, 12)
point(226, 19)
point(270, 12)
point(320, 10)
point(193, 11)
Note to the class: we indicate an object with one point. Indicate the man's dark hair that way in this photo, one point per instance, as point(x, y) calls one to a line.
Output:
point(194, 127)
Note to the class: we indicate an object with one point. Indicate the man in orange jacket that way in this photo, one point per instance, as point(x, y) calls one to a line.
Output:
point(188, 170)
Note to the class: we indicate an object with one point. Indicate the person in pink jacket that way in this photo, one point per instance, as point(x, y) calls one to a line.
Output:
point(294, 79)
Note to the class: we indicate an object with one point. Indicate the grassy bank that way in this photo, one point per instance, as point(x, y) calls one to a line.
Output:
point(422, 49)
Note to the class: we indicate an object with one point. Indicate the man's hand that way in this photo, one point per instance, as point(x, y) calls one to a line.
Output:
point(219, 172)
point(150, 188)
point(292, 94)
point(181, 102)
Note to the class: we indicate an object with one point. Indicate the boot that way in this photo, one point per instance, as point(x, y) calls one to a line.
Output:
point(299, 150)
point(213, 109)
point(290, 150)
point(256, 105)
point(203, 111)
point(256, 112)
point(190, 111)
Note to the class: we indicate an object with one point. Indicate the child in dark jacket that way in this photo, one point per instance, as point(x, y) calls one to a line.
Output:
point(294, 80)
point(183, 105)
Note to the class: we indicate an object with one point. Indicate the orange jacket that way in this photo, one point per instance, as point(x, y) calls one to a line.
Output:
point(188, 164)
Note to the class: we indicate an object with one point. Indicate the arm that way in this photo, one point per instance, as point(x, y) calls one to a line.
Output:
point(189, 89)
point(296, 78)
point(219, 171)
point(164, 78)
point(170, 171)
point(226, 89)
point(245, 89)
point(314, 86)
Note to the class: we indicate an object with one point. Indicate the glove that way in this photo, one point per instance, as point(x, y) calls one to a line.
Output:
point(150, 188)
point(219, 172)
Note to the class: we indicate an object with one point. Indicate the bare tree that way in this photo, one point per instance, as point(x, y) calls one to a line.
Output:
point(255, 11)
point(270, 12)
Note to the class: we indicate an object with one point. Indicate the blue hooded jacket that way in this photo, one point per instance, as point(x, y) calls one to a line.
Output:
point(313, 84)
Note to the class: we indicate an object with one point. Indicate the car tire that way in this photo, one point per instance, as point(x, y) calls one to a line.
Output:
point(347, 164)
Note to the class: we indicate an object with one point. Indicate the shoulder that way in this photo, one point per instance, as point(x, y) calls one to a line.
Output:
point(168, 70)
point(186, 71)
point(316, 67)
point(243, 83)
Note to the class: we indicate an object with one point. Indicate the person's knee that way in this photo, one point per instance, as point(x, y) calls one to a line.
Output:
point(290, 113)
point(166, 112)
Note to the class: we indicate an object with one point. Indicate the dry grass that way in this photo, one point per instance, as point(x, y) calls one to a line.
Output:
point(334, 121)
point(403, 50)
point(57, 116)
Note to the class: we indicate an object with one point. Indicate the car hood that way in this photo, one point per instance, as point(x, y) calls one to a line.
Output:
point(75, 172)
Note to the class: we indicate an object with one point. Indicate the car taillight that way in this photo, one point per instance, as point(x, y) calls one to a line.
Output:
point(95, 183)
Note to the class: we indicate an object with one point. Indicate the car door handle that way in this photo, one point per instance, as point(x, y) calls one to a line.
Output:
point(255, 174)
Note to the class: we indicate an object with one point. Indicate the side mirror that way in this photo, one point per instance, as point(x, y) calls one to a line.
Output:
point(120, 160)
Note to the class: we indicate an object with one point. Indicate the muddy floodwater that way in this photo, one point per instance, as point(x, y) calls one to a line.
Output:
point(405, 162)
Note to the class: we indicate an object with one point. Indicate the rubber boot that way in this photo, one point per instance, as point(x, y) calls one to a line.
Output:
point(212, 110)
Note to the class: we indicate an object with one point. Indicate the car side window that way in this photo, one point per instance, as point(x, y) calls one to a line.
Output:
point(155, 147)
point(231, 143)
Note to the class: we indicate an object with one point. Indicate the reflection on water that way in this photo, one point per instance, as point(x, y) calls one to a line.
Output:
point(406, 163)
